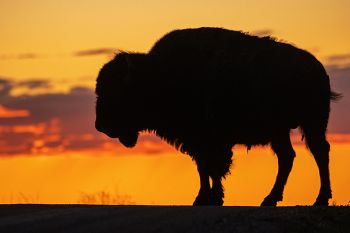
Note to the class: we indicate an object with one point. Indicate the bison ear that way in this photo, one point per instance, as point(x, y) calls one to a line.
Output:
point(136, 64)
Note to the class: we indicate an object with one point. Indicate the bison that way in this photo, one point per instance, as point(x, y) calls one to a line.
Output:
point(205, 90)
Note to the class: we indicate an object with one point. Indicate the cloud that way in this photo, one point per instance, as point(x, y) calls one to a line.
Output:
point(34, 83)
point(80, 53)
point(94, 52)
point(57, 122)
point(340, 111)
point(263, 32)
point(28, 56)
point(337, 72)
point(339, 58)
point(21, 56)
point(5, 88)
point(12, 113)
point(29, 87)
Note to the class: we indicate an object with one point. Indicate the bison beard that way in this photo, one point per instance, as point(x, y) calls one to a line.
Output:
point(185, 89)
point(129, 139)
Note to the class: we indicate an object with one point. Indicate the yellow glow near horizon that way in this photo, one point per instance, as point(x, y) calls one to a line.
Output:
point(167, 179)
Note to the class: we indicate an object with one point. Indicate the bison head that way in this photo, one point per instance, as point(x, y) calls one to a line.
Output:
point(117, 101)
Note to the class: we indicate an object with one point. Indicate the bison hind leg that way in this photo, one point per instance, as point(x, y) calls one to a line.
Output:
point(319, 147)
point(282, 146)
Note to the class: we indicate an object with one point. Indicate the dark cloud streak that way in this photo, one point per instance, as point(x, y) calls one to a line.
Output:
point(21, 56)
point(95, 52)
point(35, 83)
point(339, 58)
point(28, 56)
point(262, 32)
point(81, 53)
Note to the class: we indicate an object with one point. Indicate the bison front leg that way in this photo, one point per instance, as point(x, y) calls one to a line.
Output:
point(217, 192)
point(203, 197)
point(207, 195)
point(282, 146)
point(219, 167)
point(215, 165)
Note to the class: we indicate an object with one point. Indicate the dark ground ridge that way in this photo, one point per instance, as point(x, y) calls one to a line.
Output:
point(108, 218)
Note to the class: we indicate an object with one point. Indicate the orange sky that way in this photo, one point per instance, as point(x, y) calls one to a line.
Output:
point(50, 48)
point(168, 178)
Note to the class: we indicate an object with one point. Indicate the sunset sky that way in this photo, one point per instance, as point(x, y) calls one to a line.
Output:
point(50, 55)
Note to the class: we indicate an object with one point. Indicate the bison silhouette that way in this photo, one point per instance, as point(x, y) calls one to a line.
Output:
point(204, 90)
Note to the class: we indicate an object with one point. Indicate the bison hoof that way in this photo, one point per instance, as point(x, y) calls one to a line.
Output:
point(269, 202)
point(203, 198)
point(321, 202)
point(208, 201)
point(216, 201)
point(201, 202)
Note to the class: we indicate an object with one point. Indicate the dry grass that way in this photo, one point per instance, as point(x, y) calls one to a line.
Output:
point(105, 198)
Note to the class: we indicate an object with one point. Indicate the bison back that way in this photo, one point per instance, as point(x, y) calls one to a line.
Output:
point(239, 83)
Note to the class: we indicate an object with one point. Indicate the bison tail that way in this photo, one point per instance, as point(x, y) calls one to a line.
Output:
point(335, 96)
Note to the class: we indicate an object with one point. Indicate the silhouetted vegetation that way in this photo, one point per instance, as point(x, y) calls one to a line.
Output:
point(105, 198)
